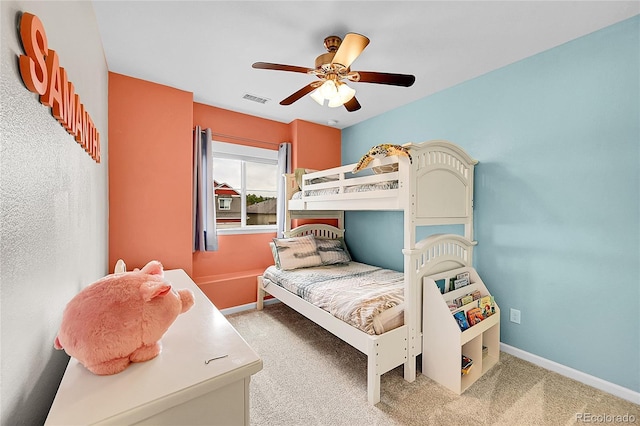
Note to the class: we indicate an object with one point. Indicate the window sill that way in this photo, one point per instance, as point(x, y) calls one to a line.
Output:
point(256, 229)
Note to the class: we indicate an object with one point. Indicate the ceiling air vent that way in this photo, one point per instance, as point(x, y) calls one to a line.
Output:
point(255, 98)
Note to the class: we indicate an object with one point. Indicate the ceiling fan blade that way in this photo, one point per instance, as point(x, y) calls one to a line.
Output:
point(297, 95)
point(279, 67)
point(352, 105)
point(350, 48)
point(404, 80)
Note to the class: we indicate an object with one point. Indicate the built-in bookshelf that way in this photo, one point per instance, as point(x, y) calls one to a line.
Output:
point(446, 339)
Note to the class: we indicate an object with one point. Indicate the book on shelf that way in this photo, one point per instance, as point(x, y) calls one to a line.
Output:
point(459, 283)
point(487, 305)
point(461, 280)
point(464, 300)
point(461, 320)
point(441, 284)
point(457, 302)
point(463, 275)
point(467, 363)
point(474, 316)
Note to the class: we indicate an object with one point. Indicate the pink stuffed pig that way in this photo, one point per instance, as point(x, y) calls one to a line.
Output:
point(120, 319)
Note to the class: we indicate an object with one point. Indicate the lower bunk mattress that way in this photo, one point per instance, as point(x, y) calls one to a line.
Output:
point(365, 296)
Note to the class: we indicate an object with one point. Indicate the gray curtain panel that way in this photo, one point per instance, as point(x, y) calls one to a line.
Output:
point(205, 237)
point(284, 166)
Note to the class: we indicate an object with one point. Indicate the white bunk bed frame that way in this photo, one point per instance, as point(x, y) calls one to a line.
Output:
point(436, 188)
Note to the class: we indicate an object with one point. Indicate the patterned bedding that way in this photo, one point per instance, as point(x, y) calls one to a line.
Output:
point(392, 184)
point(364, 296)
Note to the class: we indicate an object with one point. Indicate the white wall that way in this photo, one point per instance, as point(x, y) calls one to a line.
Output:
point(53, 205)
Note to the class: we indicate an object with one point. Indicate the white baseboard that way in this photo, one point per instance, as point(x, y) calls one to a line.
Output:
point(248, 306)
point(579, 376)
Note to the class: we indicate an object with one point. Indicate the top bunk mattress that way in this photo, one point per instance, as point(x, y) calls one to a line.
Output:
point(392, 184)
point(366, 297)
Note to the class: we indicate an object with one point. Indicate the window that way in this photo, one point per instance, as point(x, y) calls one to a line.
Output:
point(224, 203)
point(245, 182)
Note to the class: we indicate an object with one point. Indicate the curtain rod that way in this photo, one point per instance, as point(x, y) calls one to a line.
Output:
point(244, 139)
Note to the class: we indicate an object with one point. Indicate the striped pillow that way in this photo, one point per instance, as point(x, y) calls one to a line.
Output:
point(333, 251)
point(297, 252)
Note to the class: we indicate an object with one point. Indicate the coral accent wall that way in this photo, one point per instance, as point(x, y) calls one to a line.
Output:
point(315, 146)
point(150, 128)
point(234, 127)
point(150, 182)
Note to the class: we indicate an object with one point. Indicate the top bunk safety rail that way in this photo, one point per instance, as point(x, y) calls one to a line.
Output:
point(389, 183)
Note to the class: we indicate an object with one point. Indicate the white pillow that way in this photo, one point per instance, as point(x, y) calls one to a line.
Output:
point(333, 251)
point(297, 252)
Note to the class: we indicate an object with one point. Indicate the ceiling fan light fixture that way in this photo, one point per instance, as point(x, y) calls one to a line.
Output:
point(336, 92)
point(317, 96)
point(335, 102)
point(329, 89)
point(345, 93)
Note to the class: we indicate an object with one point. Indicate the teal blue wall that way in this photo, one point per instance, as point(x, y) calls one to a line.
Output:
point(557, 195)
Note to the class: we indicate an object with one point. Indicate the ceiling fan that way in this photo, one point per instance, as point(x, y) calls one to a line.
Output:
point(332, 68)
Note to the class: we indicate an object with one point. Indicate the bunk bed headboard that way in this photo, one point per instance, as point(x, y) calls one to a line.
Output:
point(444, 174)
point(439, 253)
point(434, 254)
point(319, 230)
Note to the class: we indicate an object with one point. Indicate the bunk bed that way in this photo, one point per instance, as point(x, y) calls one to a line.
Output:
point(433, 187)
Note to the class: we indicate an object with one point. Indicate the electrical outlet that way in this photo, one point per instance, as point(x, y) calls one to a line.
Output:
point(515, 316)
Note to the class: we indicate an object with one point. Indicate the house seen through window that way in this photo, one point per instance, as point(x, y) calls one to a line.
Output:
point(245, 186)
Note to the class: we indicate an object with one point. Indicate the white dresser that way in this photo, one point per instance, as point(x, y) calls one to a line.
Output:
point(176, 387)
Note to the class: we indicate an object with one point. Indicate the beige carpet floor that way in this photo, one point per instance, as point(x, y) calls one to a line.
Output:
point(310, 377)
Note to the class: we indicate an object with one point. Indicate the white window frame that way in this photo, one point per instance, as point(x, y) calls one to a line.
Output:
point(245, 153)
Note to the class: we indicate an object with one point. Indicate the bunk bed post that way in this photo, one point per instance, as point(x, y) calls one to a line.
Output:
point(341, 219)
point(261, 295)
point(468, 228)
point(288, 182)
point(411, 311)
point(373, 378)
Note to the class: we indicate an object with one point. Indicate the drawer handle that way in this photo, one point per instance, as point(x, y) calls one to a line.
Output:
point(214, 358)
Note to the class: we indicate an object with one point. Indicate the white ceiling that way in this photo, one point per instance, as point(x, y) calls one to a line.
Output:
point(207, 47)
